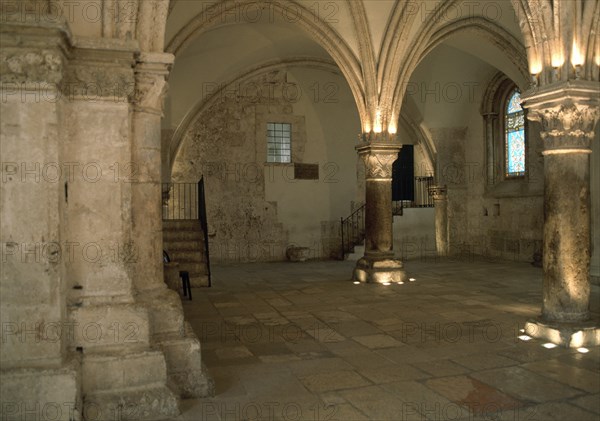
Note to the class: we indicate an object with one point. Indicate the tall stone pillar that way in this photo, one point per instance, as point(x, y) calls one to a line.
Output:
point(122, 371)
point(440, 201)
point(151, 72)
point(568, 113)
point(378, 264)
point(37, 371)
point(170, 332)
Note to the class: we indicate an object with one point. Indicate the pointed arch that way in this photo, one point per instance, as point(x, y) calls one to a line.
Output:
point(318, 30)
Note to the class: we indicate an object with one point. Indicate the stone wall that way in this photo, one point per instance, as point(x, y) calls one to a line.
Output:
point(487, 216)
point(256, 210)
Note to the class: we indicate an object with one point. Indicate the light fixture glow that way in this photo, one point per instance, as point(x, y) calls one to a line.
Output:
point(549, 345)
point(392, 127)
point(577, 339)
point(535, 67)
point(525, 338)
point(378, 126)
point(576, 56)
point(557, 60)
point(583, 350)
point(522, 330)
point(386, 283)
point(411, 279)
point(400, 283)
point(356, 282)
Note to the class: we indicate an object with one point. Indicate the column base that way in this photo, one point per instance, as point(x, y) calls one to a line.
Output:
point(188, 376)
point(569, 335)
point(379, 270)
point(32, 393)
point(149, 404)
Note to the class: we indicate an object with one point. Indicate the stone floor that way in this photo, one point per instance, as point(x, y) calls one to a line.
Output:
point(291, 341)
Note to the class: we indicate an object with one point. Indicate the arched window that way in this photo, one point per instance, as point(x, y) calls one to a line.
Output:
point(514, 136)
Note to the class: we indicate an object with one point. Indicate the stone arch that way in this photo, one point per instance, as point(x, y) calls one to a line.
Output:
point(491, 31)
point(317, 30)
point(177, 139)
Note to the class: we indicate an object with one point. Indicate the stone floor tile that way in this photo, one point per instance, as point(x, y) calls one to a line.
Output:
point(590, 403)
point(441, 368)
point(525, 384)
point(573, 376)
point(478, 397)
point(392, 373)
point(377, 341)
point(335, 380)
point(233, 352)
point(285, 345)
point(484, 361)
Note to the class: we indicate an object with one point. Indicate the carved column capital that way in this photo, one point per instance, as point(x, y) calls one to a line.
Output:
point(100, 70)
point(151, 73)
point(568, 114)
point(438, 192)
point(33, 57)
point(378, 153)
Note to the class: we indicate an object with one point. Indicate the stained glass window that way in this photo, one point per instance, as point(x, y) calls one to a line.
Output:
point(514, 140)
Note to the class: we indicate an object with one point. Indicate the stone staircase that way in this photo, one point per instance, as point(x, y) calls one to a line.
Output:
point(183, 240)
point(358, 253)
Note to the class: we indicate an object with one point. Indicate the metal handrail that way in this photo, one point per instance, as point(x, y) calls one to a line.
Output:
point(352, 230)
point(421, 199)
point(202, 215)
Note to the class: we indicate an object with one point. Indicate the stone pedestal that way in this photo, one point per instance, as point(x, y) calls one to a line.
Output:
point(440, 201)
point(378, 264)
point(568, 113)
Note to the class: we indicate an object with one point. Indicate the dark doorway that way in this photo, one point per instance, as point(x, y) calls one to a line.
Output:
point(403, 175)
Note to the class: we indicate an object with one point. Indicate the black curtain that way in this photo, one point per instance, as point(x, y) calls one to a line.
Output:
point(403, 175)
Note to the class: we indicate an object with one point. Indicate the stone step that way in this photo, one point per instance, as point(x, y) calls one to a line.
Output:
point(181, 224)
point(123, 369)
point(183, 256)
point(194, 268)
point(359, 252)
point(180, 235)
point(154, 403)
point(198, 280)
point(186, 245)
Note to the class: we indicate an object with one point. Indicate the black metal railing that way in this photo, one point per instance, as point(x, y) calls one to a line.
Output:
point(181, 201)
point(202, 216)
point(187, 201)
point(420, 199)
point(352, 230)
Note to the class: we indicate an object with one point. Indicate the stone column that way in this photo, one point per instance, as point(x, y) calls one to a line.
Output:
point(568, 113)
point(37, 370)
point(121, 367)
point(170, 332)
point(151, 73)
point(440, 201)
point(490, 148)
point(378, 264)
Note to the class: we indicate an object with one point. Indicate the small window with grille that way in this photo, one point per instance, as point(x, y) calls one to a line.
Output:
point(279, 142)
